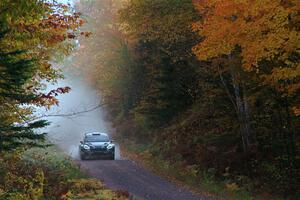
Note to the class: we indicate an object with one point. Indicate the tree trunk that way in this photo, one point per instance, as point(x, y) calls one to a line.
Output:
point(291, 146)
point(242, 111)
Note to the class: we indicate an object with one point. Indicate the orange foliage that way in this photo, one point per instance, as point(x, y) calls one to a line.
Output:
point(50, 99)
point(262, 28)
point(265, 30)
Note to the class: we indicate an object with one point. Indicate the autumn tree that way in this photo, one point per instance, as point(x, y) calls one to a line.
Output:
point(160, 36)
point(265, 35)
point(253, 46)
point(30, 33)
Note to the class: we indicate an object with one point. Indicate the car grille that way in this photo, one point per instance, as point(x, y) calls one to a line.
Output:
point(98, 148)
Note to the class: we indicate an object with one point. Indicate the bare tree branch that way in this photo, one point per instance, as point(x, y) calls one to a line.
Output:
point(72, 113)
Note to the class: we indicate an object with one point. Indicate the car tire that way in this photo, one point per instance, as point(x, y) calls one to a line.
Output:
point(112, 156)
point(82, 157)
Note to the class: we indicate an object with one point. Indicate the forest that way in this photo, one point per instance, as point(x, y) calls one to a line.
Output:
point(207, 87)
point(33, 35)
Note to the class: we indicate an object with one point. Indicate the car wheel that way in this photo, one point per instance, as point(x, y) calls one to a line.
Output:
point(112, 156)
point(82, 157)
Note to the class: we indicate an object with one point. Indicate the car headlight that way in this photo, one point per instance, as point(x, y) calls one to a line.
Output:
point(110, 146)
point(86, 147)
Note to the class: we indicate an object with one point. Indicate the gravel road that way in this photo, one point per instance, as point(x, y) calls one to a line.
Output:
point(129, 176)
point(116, 174)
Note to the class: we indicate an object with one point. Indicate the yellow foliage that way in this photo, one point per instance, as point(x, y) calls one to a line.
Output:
point(84, 185)
point(89, 189)
point(232, 186)
point(82, 188)
point(296, 111)
point(264, 30)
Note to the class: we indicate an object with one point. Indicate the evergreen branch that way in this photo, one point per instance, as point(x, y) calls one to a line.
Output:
point(17, 111)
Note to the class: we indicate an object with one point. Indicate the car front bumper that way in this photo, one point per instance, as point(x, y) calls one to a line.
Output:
point(97, 152)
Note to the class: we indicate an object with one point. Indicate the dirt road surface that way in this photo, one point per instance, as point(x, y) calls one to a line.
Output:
point(66, 133)
point(127, 175)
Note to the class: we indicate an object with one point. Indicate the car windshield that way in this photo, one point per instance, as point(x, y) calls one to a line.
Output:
point(96, 138)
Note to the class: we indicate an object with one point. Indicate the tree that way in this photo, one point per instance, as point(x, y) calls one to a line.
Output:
point(14, 74)
point(30, 31)
point(264, 30)
point(262, 36)
point(159, 34)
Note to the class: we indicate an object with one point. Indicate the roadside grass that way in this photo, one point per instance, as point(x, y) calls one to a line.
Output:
point(64, 180)
point(202, 183)
point(54, 159)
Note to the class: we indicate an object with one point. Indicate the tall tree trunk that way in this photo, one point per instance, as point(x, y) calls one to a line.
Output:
point(291, 147)
point(247, 117)
point(242, 111)
point(239, 98)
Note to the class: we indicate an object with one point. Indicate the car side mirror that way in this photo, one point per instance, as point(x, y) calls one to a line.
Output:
point(81, 142)
point(111, 141)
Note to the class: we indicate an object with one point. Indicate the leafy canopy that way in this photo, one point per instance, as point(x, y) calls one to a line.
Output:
point(265, 30)
point(30, 34)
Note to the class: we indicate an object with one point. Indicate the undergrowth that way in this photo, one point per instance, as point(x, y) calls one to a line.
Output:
point(48, 174)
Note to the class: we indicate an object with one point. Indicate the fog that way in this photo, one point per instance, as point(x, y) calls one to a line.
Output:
point(67, 132)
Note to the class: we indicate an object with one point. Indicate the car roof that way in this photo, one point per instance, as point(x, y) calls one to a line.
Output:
point(95, 133)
